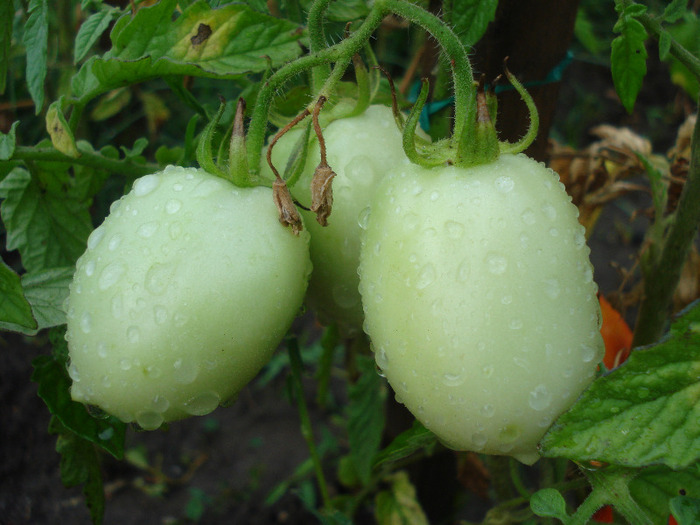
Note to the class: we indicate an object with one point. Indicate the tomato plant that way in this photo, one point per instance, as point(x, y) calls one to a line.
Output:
point(159, 246)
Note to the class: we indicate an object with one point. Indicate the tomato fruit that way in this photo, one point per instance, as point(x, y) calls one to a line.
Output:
point(479, 300)
point(360, 150)
point(181, 297)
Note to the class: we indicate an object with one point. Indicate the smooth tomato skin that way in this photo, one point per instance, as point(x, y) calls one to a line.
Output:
point(361, 150)
point(181, 297)
point(479, 301)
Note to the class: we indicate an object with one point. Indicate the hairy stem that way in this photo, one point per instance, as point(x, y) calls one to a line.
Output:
point(87, 158)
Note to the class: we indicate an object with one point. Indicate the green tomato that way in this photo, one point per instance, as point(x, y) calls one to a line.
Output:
point(480, 302)
point(183, 294)
point(360, 150)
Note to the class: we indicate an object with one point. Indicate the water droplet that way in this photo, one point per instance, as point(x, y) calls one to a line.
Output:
point(454, 379)
point(552, 288)
point(173, 206)
point(202, 404)
point(102, 349)
point(90, 268)
point(160, 314)
point(488, 370)
point(115, 241)
point(587, 274)
point(363, 217)
point(95, 238)
point(522, 363)
point(463, 271)
point(643, 392)
point(434, 195)
point(545, 422)
point(549, 211)
point(504, 184)
point(540, 398)
point(528, 216)
point(111, 274)
point(497, 264)
point(515, 324)
point(133, 334)
point(455, 230)
point(410, 221)
point(180, 319)
point(479, 439)
point(153, 372)
point(568, 371)
point(506, 299)
point(185, 371)
point(588, 353)
point(86, 322)
point(175, 230)
point(554, 232)
point(106, 381)
point(488, 410)
point(146, 185)
point(158, 278)
point(149, 420)
point(177, 186)
point(381, 358)
point(125, 364)
point(148, 229)
point(509, 434)
point(425, 277)
point(73, 372)
point(206, 188)
point(579, 239)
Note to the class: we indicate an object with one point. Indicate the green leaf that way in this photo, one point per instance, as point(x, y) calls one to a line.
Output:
point(654, 488)
point(645, 412)
point(46, 291)
point(15, 312)
point(685, 510)
point(344, 11)
point(61, 135)
point(35, 39)
point(675, 10)
point(8, 142)
point(365, 416)
point(91, 30)
point(54, 388)
point(471, 18)
point(399, 505)
point(228, 42)
point(80, 464)
point(549, 503)
point(46, 223)
point(628, 59)
point(664, 45)
point(6, 17)
point(407, 443)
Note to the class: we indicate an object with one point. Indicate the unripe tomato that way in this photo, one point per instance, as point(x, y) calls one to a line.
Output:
point(181, 297)
point(480, 302)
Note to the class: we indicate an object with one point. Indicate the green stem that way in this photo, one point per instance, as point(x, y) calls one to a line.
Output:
point(663, 273)
point(595, 500)
point(341, 51)
point(685, 57)
point(87, 158)
point(317, 42)
point(463, 79)
point(611, 487)
point(306, 427)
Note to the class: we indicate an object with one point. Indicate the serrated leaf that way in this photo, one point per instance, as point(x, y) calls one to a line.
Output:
point(365, 416)
point(80, 464)
point(408, 442)
point(46, 291)
point(549, 503)
point(686, 510)
point(61, 135)
point(15, 312)
point(227, 42)
point(645, 412)
point(654, 487)
point(471, 18)
point(628, 60)
point(54, 388)
point(8, 142)
point(47, 225)
point(675, 10)
point(6, 17)
point(399, 505)
point(35, 40)
point(91, 30)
